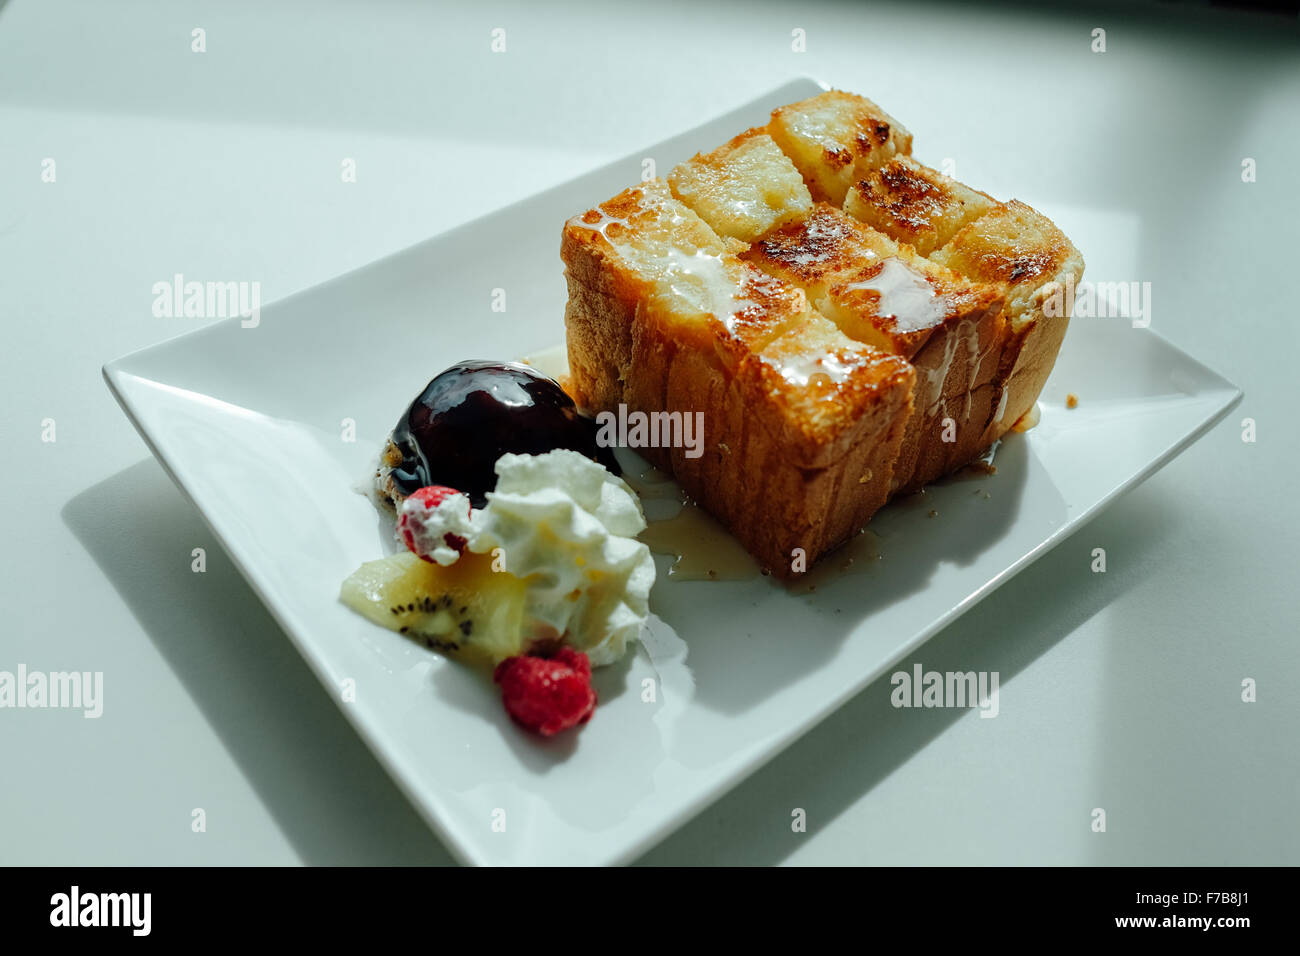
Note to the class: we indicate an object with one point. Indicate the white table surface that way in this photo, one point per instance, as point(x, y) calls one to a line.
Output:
point(1119, 690)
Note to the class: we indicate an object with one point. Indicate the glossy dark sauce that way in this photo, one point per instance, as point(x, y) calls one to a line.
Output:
point(475, 412)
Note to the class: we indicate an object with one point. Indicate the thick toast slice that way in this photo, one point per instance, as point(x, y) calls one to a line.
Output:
point(850, 323)
point(881, 292)
point(802, 424)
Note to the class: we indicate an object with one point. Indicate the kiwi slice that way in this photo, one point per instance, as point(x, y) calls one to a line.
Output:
point(465, 609)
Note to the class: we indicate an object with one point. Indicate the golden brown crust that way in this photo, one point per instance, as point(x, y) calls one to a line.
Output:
point(1014, 246)
point(817, 382)
point(880, 292)
point(1022, 252)
point(745, 477)
point(825, 246)
point(744, 188)
point(1028, 360)
point(914, 203)
point(791, 406)
point(948, 421)
point(835, 138)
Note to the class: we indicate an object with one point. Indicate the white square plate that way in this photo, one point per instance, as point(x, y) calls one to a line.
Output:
point(249, 423)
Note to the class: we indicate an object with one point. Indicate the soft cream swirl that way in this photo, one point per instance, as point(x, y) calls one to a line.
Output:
point(568, 528)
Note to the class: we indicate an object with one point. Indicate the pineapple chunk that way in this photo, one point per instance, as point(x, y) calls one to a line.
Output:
point(465, 609)
point(835, 139)
point(743, 189)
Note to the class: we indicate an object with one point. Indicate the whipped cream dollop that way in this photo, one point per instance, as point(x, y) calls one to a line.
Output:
point(567, 528)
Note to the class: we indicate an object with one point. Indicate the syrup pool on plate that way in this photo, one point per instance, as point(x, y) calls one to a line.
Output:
point(702, 549)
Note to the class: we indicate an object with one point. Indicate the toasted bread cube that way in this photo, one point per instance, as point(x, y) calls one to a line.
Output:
point(835, 139)
point(952, 333)
point(914, 203)
point(646, 248)
point(1019, 250)
point(743, 189)
point(819, 250)
point(802, 424)
point(1016, 247)
point(820, 372)
point(669, 255)
point(881, 292)
point(873, 288)
point(748, 477)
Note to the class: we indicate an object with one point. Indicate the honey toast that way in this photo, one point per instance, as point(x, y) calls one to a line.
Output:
point(851, 323)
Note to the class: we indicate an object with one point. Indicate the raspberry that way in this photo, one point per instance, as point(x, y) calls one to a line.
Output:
point(411, 525)
point(547, 694)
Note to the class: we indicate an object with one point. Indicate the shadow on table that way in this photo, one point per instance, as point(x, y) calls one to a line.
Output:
point(861, 744)
point(327, 793)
